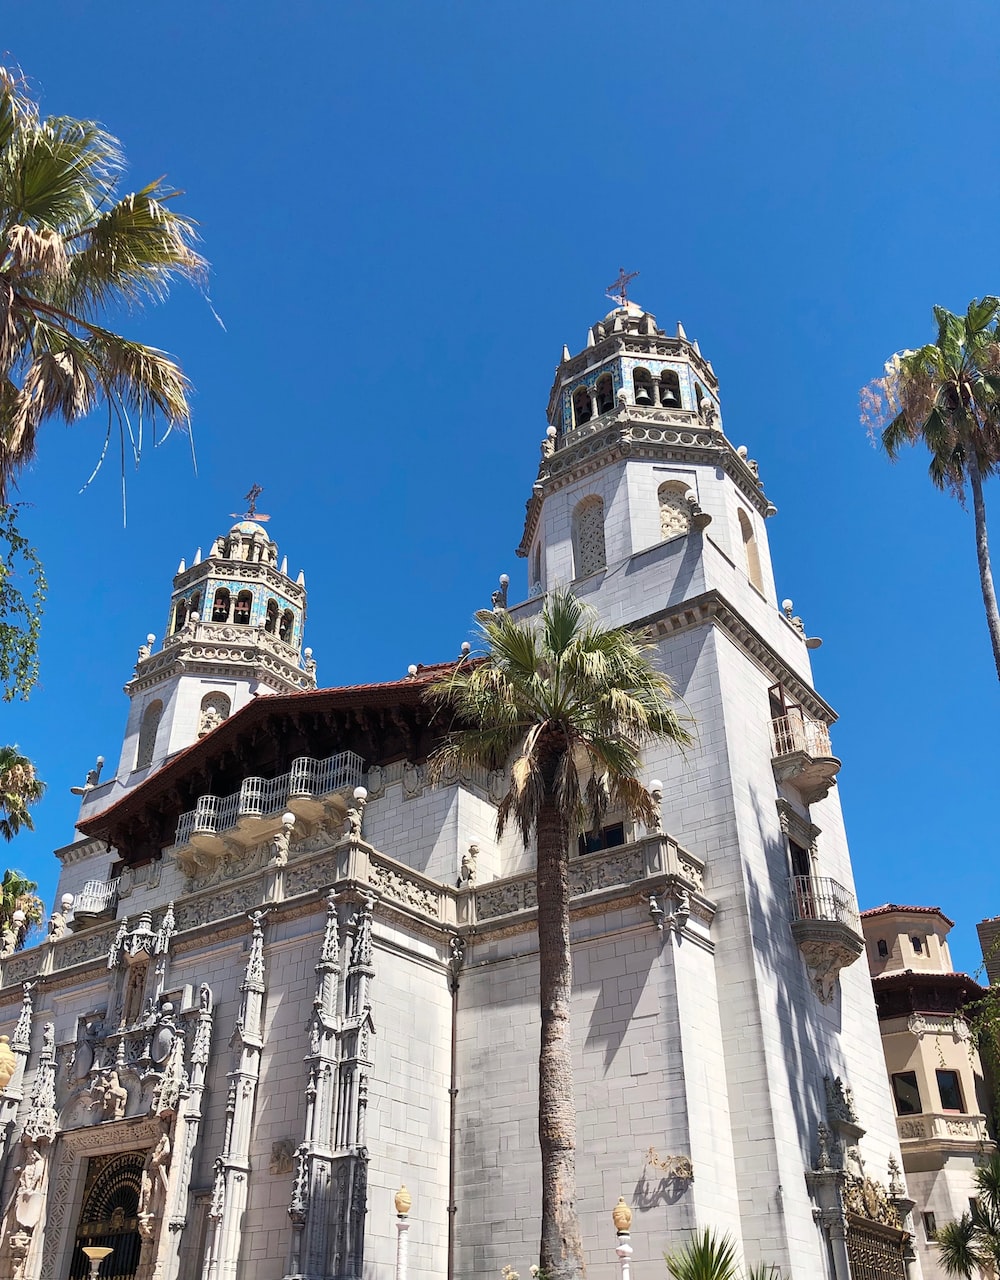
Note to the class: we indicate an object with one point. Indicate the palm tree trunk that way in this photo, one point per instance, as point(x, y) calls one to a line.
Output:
point(983, 554)
point(561, 1253)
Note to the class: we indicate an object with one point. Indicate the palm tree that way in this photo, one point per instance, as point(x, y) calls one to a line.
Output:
point(17, 894)
point(71, 249)
point(567, 705)
point(19, 788)
point(947, 394)
point(713, 1257)
point(973, 1242)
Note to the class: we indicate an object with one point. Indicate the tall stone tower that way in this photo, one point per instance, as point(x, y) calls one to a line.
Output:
point(769, 1052)
point(233, 633)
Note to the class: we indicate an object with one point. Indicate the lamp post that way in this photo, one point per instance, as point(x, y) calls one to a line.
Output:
point(621, 1215)
point(403, 1201)
point(96, 1253)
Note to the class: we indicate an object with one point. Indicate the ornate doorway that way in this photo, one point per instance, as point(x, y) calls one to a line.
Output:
point(109, 1215)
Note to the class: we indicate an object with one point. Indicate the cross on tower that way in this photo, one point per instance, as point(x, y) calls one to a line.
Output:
point(618, 289)
point(251, 512)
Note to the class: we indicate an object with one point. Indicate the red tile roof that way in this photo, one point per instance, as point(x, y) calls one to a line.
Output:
point(891, 908)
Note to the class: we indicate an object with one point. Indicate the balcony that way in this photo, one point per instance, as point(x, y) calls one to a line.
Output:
point(303, 790)
point(942, 1129)
point(801, 754)
point(826, 928)
point(97, 898)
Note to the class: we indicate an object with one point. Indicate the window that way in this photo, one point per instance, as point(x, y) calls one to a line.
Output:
point(930, 1225)
point(906, 1093)
point(642, 386)
point(147, 733)
point(606, 838)
point(536, 571)
point(605, 393)
point(750, 550)
point(271, 619)
point(670, 389)
point(582, 409)
point(220, 606)
point(196, 602)
point(589, 553)
point(244, 608)
point(287, 626)
point(180, 614)
point(801, 862)
point(918, 945)
point(950, 1090)
point(675, 511)
point(883, 948)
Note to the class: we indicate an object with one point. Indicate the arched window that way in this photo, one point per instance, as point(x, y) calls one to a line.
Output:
point(271, 618)
point(670, 389)
point(180, 614)
point(287, 626)
point(751, 551)
point(675, 511)
point(215, 708)
point(605, 393)
point(195, 602)
point(220, 606)
point(243, 609)
point(582, 410)
point(588, 537)
point(147, 733)
point(536, 571)
point(642, 386)
point(699, 395)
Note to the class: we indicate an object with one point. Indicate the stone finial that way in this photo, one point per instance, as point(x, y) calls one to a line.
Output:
point(565, 354)
point(680, 332)
point(621, 1215)
point(403, 1201)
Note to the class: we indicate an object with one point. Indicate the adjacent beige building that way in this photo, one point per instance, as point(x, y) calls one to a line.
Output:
point(934, 1070)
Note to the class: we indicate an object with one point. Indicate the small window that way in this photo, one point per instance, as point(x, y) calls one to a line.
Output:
point(670, 389)
point(950, 1090)
point(750, 550)
point(582, 408)
point(918, 945)
point(605, 393)
point(180, 614)
point(536, 570)
point(244, 608)
point(801, 862)
point(196, 602)
point(606, 838)
point(220, 606)
point(642, 386)
point(930, 1225)
point(147, 734)
point(271, 620)
point(883, 948)
point(906, 1093)
point(287, 626)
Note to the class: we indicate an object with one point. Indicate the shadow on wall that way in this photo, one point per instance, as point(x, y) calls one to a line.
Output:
point(808, 1029)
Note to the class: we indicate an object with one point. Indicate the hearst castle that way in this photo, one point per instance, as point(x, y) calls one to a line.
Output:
point(285, 974)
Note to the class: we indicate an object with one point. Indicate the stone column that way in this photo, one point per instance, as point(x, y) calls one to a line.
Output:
point(232, 1169)
point(13, 1095)
point(621, 1215)
point(403, 1202)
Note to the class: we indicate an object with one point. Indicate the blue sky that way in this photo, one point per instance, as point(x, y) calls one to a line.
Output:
point(410, 208)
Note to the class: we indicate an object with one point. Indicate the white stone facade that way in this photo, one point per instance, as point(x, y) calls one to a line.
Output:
point(389, 1035)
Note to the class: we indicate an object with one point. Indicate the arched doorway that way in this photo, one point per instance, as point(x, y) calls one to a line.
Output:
point(109, 1215)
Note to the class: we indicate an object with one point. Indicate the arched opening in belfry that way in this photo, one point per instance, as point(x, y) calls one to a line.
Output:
point(605, 393)
point(147, 734)
point(243, 609)
point(642, 386)
point(271, 617)
point(220, 606)
point(195, 602)
point(582, 408)
point(699, 395)
point(287, 626)
point(670, 389)
point(751, 551)
point(675, 511)
point(109, 1215)
point(180, 614)
point(589, 553)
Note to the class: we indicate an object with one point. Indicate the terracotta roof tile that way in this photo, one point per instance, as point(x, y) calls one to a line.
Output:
point(890, 908)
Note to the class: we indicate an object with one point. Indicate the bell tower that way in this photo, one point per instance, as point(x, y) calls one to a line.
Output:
point(234, 632)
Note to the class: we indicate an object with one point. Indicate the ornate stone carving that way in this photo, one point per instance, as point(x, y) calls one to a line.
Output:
point(839, 1101)
point(42, 1120)
point(467, 874)
point(153, 1184)
point(282, 1157)
point(869, 1199)
point(402, 888)
point(413, 780)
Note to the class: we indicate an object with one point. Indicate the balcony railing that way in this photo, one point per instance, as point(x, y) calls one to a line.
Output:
point(795, 731)
point(96, 897)
point(820, 898)
point(261, 797)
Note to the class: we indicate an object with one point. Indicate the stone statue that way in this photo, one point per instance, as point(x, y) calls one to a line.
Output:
point(58, 927)
point(153, 1184)
point(29, 1203)
point(469, 859)
point(355, 820)
point(8, 942)
point(282, 840)
point(211, 718)
point(110, 1096)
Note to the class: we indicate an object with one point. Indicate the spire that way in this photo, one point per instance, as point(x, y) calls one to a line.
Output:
point(565, 355)
point(591, 340)
point(680, 331)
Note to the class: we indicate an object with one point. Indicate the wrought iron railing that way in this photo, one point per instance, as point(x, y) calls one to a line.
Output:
point(261, 797)
point(795, 731)
point(820, 898)
point(96, 896)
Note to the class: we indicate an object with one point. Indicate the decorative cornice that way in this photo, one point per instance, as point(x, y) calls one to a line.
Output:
point(251, 571)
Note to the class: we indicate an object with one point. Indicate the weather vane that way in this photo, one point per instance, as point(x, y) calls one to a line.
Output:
point(251, 512)
point(618, 289)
